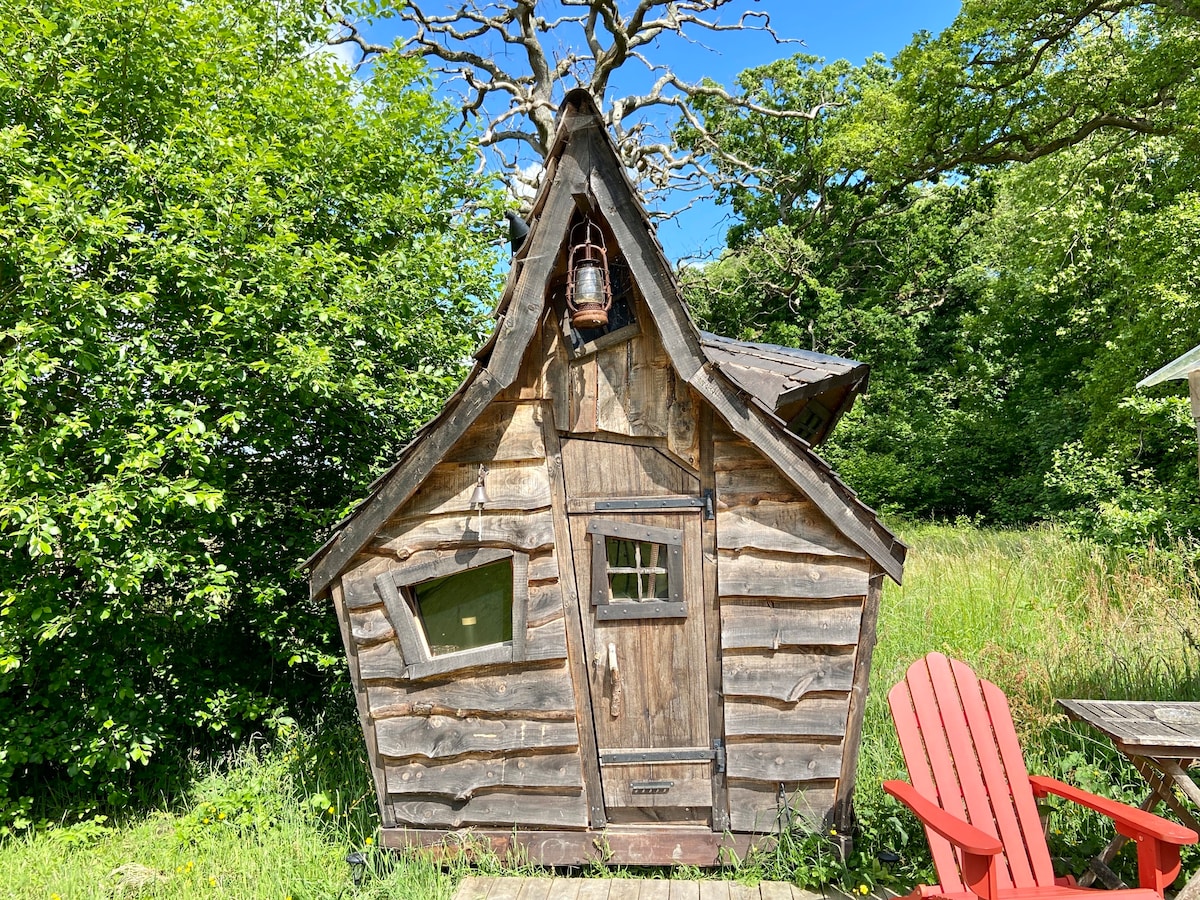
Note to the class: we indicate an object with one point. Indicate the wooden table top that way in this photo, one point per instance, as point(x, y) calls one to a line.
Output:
point(1157, 729)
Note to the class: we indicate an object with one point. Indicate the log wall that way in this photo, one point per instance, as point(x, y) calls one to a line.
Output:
point(792, 593)
point(493, 745)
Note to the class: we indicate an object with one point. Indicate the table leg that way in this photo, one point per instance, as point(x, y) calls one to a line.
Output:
point(1098, 867)
point(1157, 774)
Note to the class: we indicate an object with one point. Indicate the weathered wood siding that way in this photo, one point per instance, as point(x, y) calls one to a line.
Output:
point(491, 745)
point(629, 389)
point(792, 591)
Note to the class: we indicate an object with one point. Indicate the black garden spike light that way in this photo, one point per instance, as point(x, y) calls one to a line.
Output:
point(358, 867)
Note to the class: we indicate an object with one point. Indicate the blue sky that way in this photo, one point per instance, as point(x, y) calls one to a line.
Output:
point(849, 29)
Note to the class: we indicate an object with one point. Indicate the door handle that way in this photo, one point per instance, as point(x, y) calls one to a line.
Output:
point(617, 700)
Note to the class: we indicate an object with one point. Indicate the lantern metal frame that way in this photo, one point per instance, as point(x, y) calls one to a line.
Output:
point(588, 251)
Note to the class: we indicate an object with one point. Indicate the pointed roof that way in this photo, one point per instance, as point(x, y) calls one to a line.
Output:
point(583, 170)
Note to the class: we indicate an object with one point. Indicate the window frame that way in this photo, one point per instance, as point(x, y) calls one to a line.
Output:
point(414, 645)
point(605, 608)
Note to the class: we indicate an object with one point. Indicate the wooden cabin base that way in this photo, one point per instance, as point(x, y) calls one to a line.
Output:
point(618, 845)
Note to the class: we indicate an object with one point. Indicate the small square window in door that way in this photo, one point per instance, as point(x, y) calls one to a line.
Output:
point(637, 571)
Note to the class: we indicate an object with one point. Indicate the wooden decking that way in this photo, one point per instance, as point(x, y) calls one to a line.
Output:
point(482, 888)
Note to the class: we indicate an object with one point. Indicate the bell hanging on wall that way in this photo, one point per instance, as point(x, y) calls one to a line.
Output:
point(589, 296)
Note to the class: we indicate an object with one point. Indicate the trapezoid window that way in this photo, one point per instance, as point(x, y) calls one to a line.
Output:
point(467, 609)
point(457, 611)
point(637, 571)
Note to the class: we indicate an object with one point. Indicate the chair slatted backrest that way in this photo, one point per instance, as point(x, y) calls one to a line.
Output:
point(961, 750)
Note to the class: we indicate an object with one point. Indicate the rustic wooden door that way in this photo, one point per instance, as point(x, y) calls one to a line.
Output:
point(637, 565)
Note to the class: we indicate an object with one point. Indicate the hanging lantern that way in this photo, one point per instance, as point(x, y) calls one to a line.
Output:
point(589, 296)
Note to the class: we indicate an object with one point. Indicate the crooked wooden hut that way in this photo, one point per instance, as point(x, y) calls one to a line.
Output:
point(609, 604)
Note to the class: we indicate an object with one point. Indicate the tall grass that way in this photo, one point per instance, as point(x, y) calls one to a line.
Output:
point(1044, 616)
point(1039, 613)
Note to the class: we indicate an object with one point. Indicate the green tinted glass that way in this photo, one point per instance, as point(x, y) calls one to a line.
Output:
point(467, 609)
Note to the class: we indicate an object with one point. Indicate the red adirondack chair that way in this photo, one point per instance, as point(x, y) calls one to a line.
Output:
point(972, 792)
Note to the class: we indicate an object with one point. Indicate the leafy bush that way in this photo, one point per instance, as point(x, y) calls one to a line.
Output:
point(233, 279)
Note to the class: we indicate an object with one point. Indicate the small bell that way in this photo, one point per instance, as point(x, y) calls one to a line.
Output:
point(479, 497)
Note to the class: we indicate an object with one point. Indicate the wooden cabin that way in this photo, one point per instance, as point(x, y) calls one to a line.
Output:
point(609, 604)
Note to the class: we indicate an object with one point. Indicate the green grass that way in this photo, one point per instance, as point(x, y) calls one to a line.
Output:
point(1040, 614)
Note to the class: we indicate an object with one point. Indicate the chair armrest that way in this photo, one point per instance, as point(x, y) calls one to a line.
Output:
point(955, 830)
point(1130, 821)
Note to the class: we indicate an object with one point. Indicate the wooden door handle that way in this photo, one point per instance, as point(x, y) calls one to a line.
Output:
point(616, 702)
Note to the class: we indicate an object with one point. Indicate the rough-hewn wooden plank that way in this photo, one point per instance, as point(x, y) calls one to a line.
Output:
point(614, 376)
point(547, 641)
point(577, 658)
point(810, 717)
point(684, 890)
point(361, 703)
point(510, 486)
point(844, 812)
point(554, 371)
point(381, 661)
point(683, 428)
point(620, 845)
point(784, 761)
point(530, 531)
point(800, 468)
point(437, 737)
point(503, 808)
point(545, 603)
point(607, 470)
point(714, 890)
point(786, 675)
point(567, 888)
point(581, 378)
point(505, 888)
point(624, 889)
point(787, 527)
point(505, 431)
point(595, 889)
point(474, 887)
point(744, 892)
point(753, 806)
point(771, 624)
point(359, 588)
point(462, 779)
point(543, 567)
point(712, 614)
point(653, 889)
point(370, 626)
point(690, 784)
point(542, 693)
point(536, 889)
point(779, 575)
point(775, 890)
point(528, 383)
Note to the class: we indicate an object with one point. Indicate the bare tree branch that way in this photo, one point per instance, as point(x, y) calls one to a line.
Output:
point(583, 43)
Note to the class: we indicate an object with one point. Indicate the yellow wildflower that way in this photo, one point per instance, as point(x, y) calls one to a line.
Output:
point(370, 841)
point(863, 889)
point(221, 816)
point(330, 810)
point(212, 882)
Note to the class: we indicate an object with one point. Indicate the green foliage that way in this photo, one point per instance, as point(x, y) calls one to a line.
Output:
point(1003, 222)
point(233, 279)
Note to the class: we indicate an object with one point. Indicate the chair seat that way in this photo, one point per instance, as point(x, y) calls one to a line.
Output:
point(1055, 892)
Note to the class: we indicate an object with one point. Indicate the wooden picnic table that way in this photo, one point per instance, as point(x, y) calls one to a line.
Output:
point(1162, 739)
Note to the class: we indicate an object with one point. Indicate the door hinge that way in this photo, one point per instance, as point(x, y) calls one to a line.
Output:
point(709, 511)
point(719, 755)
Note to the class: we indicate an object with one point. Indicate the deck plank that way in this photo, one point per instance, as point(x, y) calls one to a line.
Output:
point(595, 889)
point(502, 889)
